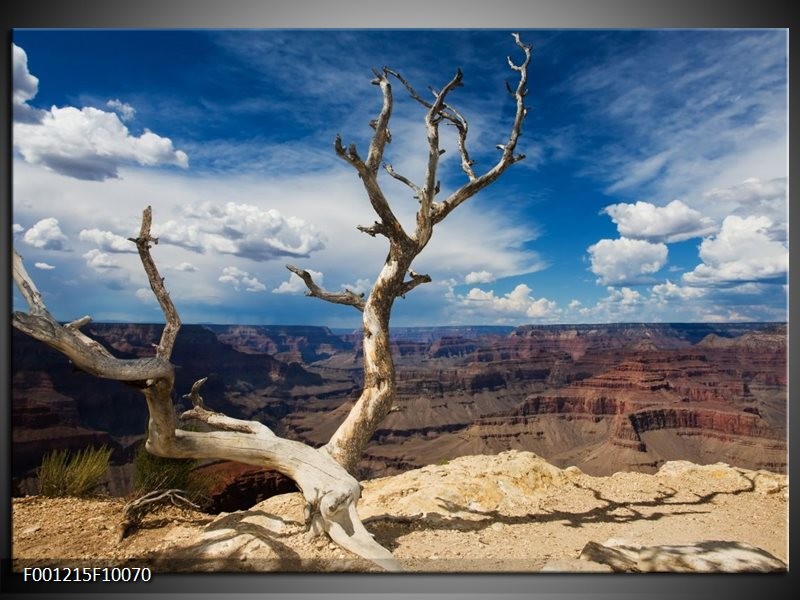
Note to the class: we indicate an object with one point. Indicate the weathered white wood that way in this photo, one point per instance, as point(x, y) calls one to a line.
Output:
point(331, 492)
point(377, 398)
point(322, 474)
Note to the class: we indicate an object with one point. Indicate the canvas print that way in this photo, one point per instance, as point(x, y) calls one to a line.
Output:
point(399, 301)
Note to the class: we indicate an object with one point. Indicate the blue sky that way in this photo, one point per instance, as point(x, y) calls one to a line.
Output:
point(654, 188)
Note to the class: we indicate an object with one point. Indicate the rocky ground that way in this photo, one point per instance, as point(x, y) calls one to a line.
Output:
point(507, 512)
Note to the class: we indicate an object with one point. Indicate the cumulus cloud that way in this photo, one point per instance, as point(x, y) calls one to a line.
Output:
point(242, 230)
point(674, 222)
point(100, 261)
point(479, 277)
point(47, 235)
point(518, 302)
point(625, 260)
point(107, 269)
point(238, 279)
point(90, 144)
point(105, 240)
point(17, 228)
point(741, 251)
point(668, 291)
point(125, 110)
point(43, 266)
point(85, 143)
point(619, 301)
point(753, 197)
point(295, 285)
point(26, 86)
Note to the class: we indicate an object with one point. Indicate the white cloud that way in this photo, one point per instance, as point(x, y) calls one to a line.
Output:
point(674, 222)
point(667, 291)
point(100, 261)
point(518, 302)
point(26, 86)
point(238, 278)
point(242, 230)
point(186, 267)
point(624, 296)
point(741, 251)
point(125, 110)
point(625, 260)
point(47, 235)
point(107, 270)
point(620, 302)
point(90, 144)
point(752, 197)
point(85, 143)
point(43, 266)
point(295, 285)
point(641, 171)
point(723, 113)
point(105, 240)
point(17, 228)
point(479, 277)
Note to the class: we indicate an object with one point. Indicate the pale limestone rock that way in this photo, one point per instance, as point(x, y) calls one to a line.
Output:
point(709, 556)
point(507, 483)
point(723, 477)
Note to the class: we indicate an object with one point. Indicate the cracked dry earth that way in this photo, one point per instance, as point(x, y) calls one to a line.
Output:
point(508, 512)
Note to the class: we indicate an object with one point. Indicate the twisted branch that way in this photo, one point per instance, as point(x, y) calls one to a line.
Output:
point(346, 297)
point(173, 321)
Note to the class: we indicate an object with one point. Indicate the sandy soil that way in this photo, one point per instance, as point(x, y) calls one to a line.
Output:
point(555, 522)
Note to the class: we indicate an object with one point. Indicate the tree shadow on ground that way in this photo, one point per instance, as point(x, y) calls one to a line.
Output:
point(610, 511)
point(236, 551)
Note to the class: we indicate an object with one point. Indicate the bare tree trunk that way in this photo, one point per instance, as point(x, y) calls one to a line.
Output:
point(323, 475)
point(377, 398)
point(330, 491)
point(347, 443)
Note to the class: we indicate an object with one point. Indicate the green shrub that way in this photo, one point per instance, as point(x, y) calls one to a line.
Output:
point(151, 473)
point(79, 475)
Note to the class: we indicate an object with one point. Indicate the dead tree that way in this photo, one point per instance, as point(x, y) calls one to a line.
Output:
point(322, 474)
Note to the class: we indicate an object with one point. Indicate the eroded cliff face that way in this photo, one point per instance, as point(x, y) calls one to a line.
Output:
point(56, 407)
point(603, 397)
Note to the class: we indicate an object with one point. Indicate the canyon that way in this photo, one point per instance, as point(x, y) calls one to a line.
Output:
point(604, 398)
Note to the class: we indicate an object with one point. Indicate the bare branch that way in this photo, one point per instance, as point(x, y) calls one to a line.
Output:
point(416, 279)
point(432, 119)
point(173, 321)
point(411, 91)
point(194, 394)
point(27, 288)
point(373, 230)
point(78, 323)
point(221, 422)
point(368, 175)
point(414, 187)
point(346, 297)
point(136, 509)
point(381, 125)
point(85, 353)
point(441, 210)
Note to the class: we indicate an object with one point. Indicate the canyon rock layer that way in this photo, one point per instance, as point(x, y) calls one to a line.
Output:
point(604, 398)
